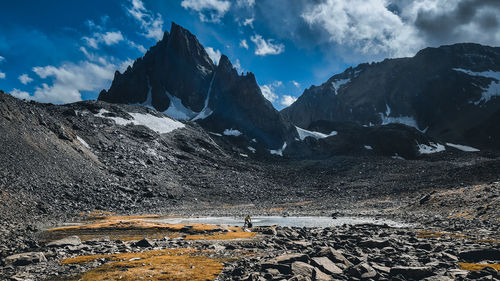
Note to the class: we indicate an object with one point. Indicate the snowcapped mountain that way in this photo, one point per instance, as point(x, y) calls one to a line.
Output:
point(451, 93)
point(177, 77)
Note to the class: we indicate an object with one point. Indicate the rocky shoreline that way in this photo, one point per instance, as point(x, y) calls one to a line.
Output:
point(446, 249)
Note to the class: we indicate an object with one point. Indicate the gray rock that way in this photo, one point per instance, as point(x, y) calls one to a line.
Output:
point(321, 276)
point(302, 269)
point(336, 256)
point(282, 268)
point(326, 265)
point(373, 243)
point(25, 258)
point(412, 272)
point(143, 243)
point(480, 255)
point(68, 241)
point(290, 258)
point(362, 270)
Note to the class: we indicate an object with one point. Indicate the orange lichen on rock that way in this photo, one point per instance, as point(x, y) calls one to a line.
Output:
point(478, 266)
point(172, 264)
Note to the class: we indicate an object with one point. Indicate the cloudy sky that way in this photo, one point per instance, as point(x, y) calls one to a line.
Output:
point(65, 51)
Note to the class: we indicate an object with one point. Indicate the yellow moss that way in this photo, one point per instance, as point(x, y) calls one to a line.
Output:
point(173, 264)
point(222, 236)
point(478, 266)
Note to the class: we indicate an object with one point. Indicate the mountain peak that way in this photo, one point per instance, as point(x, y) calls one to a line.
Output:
point(178, 78)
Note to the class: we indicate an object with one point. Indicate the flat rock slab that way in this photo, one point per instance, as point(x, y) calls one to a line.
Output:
point(290, 258)
point(302, 269)
point(412, 272)
point(480, 255)
point(326, 265)
point(25, 258)
point(68, 241)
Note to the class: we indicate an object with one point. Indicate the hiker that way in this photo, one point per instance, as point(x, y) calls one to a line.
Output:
point(248, 222)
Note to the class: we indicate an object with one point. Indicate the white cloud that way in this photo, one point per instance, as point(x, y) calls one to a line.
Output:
point(287, 100)
point(111, 38)
point(249, 3)
point(213, 54)
point(244, 44)
point(295, 83)
point(277, 83)
point(238, 67)
point(20, 94)
point(249, 22)
point(151, 24)
point(268, 92)
point(2, 75)
point(70, 79)
point(2, 59)
point(214, 9)
point(365, 25)
point(139, 47)
point(108, 38)
point(264, 48)
point(25, 79)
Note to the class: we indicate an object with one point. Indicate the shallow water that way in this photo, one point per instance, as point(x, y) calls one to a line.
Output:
point(284, 221)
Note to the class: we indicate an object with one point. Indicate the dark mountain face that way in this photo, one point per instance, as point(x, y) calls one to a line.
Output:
point(449, 92)
point(177, 77)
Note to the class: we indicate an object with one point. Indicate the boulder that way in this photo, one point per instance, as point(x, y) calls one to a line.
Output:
point(302, 269)
point(321, 276)
point(335, 256)
point(143, 243)
point(282, 268)
point(373, 243)
point(362, 270)
point(326, 265)
point(409, 272)
point(25, 259)
point(68, 241)
point(290, 258)
point(480, 255)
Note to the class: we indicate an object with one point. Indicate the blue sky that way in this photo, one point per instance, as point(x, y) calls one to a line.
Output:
point(64, 51)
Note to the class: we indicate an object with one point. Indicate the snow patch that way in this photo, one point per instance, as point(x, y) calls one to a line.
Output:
point(215, 134)
point(205, 112)
point(317, 135)
point(177, 110)
point(83, 142)
point(161, 125)
point(338, 83)
point(493, 90)
point(232, 132)
point(243, 155)
point(278, 152)
point(431, 148)
point(368, 147)
point(463, 147)
point(405, 120)
point(251, 149)
point(396, 156)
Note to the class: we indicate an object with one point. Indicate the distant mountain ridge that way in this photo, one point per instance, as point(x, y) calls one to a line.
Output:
point(450, 92)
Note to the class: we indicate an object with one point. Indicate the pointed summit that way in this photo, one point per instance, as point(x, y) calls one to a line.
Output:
point(177, 77)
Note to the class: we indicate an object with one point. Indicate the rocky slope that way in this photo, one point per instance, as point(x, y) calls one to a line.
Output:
point(177, 77)
point(450, 92)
